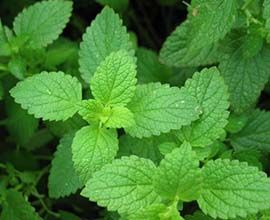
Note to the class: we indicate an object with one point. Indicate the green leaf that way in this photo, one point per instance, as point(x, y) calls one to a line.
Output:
point(177, 51)
point(43, 22)
point(151, 212)
point(210, 21)
point(114, 80)
point(120, 117)
point(255, 134)
point(126, 185)
point(118, 5)
point(266, 16)
point(251, 156)
point(92, 110)
point(92, 148)
point(232, 189)
point(5, 49)
point(211, 93)
point(245, 78)
point(105, 35)
point(51, 96)
point(17, 67)
point(20, 125)
point(236, 122)
point(160, 108)
point(178, 175)
point(149, 67)
point(63, 180)
point(15, 207)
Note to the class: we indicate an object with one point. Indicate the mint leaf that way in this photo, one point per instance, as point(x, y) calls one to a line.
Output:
point(266, 16)
point(211, 93)
point(177, 51)
point(233, 189)
point(198, 215)
point(114, 80)
point(43, 22)
point(105, 35)
point(15, 207)
point(178, 175)
point(245, 86)
point(62, 179)
point(126, 185)
point(160, 108)
point(51, 96)
point(92, 148)
point(210, 21)
point(120, 117)
point(255, 134)
point(91, 110)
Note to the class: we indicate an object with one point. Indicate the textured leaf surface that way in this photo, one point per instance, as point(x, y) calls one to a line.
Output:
point(15, 207)
point(159, 108)
point(211, 93)
point(245, 78)
point(105, 35)
point(211, 21)
point(126, 185)
point(266, 16)
point(62, 179)
point(92, 148)
point(255, 134)
point(91, 110)
point(151, 212)
point(233, 189)
point(178, 175)
point(51, 96)
point(120, 117)
point(177, 50)
point(42, 22)
point(114, 80)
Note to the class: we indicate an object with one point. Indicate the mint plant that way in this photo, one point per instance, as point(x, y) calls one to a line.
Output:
point(179, 133)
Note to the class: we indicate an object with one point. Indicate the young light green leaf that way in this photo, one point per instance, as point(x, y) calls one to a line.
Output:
point(92, 110)
point(232, 189)
point(177, 50)
point(114, 80)
point(151, 212)
point(178, 175)
point(210, 21)
point(160, 108)
point(62, 179)
point(211, 93)
point(120, 117)
point(255, 134)
point(51, 96)
point(126, 185)
point(245, 78)
point(15, 207)
point(92, 148)
point(43, 22)
point(105, 35)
